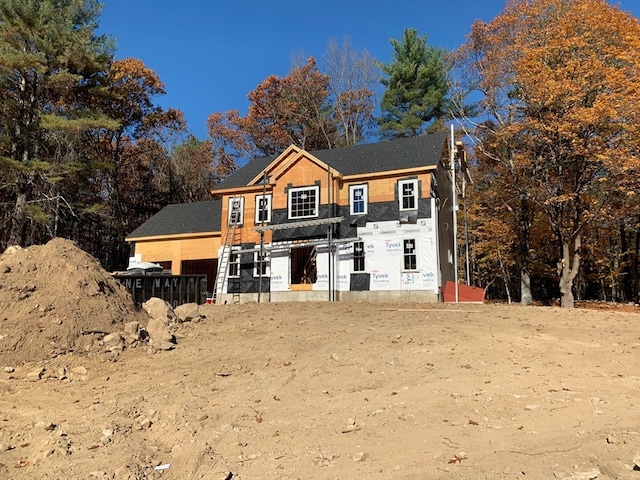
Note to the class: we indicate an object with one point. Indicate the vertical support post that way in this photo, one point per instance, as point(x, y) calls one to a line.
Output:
point(466, 226)
point(329, 236)
point(261, 254)
point(454, 206)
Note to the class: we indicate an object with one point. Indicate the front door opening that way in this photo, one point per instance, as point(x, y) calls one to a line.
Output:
point(303, 265)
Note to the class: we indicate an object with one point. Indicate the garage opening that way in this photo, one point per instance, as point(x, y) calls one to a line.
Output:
point(199, 267)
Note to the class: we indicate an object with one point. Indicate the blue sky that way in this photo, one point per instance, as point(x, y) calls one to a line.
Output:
point(211, 53)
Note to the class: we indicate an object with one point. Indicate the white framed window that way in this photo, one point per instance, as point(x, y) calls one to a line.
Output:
point(236, 210)
point(263, 209)
point(408, 194)
point(409, 254)
point(261, 264)
point(358, 199)
point(304, 202)
point(234, 265)
point(358, 256)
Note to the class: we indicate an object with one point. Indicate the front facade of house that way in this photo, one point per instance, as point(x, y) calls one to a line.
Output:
point(359, 223)
point(368, 222)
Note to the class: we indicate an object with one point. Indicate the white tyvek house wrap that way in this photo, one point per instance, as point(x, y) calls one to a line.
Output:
point(279, 281)
point(384, 250)
point(384, 259)
point(342, 266)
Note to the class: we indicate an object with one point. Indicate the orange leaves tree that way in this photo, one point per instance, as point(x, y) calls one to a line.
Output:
point(282, 111)
point(559, 79)
point(133, 183)
point(296, 109)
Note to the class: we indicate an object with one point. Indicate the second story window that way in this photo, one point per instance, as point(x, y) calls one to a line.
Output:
point(358, 199)
point(236, 207)
point(263, 209)
point(303, 202)
point(408, 194)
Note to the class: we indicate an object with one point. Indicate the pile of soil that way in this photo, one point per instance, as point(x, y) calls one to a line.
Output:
point(54, 299)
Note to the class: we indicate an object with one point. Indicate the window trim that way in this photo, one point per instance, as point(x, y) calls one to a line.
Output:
point(241, 211)
point(401, 197)
point(408, 254)
point(315, 189)
point(365, 199)
point(266, 261)
point(268, 197)
point(359, 258)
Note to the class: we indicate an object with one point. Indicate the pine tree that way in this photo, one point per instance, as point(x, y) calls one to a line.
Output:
point(417, 87)
point(50, 59)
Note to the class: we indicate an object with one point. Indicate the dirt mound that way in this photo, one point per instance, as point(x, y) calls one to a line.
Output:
point(54, 298)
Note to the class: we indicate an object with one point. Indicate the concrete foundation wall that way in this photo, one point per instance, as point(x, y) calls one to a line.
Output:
point(424, 296)
point(323, 296)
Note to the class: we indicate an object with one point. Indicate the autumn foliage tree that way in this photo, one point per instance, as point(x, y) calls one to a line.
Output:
point(134, 151)
point(483, 67)
point(307, 108)
point(282, 111)
point(565, 72)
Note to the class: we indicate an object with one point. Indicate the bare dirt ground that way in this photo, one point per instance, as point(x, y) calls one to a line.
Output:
point(324, 391)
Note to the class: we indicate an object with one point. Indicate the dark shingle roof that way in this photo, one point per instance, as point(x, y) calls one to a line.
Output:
point(386, 156)
point(180, 218)
point(201, 217)
point(242, 176)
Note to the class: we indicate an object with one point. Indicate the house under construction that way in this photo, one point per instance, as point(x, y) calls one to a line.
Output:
point(367, 222)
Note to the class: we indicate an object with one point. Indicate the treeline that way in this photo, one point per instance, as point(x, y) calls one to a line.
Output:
point(83, 147)
point(546, 95)
point(553, 212)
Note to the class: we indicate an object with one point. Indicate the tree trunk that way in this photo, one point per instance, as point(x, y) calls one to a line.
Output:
point(567, 271)
point(505, 277)
point(16, 231)
point(525, 287)
point(525, 219)
point(636, 273)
